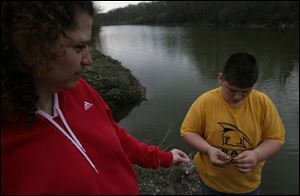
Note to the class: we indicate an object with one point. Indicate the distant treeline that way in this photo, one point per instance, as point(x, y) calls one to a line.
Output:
point(280, 14)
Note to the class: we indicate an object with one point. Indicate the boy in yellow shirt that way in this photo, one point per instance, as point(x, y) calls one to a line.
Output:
point(234, 128)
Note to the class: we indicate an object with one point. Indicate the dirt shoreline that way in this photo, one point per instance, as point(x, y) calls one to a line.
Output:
point(167, 181)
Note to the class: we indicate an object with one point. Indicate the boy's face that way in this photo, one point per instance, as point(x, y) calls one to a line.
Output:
point(232, 94)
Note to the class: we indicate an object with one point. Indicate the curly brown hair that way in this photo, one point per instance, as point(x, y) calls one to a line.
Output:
point(29, 30)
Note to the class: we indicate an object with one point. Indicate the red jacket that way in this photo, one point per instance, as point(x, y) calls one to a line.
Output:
point(44, 161)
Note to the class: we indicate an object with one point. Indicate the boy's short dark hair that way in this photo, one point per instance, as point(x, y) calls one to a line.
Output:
point(241, 70)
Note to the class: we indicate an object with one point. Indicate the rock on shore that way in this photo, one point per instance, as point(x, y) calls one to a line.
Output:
point(116, 84)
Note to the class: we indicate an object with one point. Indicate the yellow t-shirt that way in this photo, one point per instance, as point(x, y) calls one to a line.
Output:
point(233, 130)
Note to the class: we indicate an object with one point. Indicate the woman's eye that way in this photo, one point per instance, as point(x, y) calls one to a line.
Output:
point(79, 48)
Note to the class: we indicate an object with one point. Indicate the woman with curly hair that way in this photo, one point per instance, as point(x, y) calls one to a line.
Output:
point(57, 133)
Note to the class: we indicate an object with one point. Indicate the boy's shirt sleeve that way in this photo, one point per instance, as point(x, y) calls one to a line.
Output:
point(272, 124)
point(192, 120)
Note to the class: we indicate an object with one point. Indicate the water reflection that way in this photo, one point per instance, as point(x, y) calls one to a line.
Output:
point(276, 51)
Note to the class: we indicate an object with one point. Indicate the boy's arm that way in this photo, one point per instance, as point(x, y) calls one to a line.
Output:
point(247, 160)
point(197, 142)
point(267, 149)
point(216, 156)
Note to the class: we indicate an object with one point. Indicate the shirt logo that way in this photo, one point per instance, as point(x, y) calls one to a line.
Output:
point(234, 140)
point(87, 105)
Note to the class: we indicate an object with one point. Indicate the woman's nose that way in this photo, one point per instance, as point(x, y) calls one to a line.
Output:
point(87, 57)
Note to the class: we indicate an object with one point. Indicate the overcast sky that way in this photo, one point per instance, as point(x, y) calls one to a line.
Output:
point(109, 5)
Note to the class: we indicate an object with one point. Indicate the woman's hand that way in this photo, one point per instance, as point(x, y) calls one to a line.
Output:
point(179, 157)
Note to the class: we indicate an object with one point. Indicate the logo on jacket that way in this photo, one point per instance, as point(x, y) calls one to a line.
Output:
point(87, 105)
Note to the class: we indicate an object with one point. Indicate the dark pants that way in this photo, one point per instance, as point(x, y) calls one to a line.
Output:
point(209, 191)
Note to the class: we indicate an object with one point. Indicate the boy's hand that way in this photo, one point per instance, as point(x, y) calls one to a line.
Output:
point(179, 157)
point(246, 161)
point(218, 157)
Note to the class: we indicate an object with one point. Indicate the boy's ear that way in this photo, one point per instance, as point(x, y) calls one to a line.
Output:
point(221, 78)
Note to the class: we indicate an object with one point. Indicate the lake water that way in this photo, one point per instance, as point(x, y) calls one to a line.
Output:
point(177, 64)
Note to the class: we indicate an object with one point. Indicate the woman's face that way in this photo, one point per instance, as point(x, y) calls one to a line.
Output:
point(73, 55)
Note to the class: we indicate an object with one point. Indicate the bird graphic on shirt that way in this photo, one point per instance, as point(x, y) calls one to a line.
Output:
point(233, 139)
